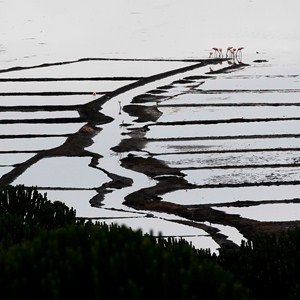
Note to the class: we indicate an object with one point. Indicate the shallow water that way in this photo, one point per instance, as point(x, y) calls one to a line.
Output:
point(35, 100)
point(232, 194)
point(4, 170)
point(172, 114)
point(28, 144)
point(237, 144)
point(223, 130)
point(97, 68)
point(11, 159)
point(223, 160)
point(40, 115)
point(237, 98)
point(246, 175)
point(54, 129)
point(267, 212)
point(58, 86)
point(64, 172)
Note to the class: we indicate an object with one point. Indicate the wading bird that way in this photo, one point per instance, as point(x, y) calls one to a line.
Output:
point(120, 107)
point(216, 51)
point(239, 51)
point(220, 53)
point(233, 53)
point(228, 52)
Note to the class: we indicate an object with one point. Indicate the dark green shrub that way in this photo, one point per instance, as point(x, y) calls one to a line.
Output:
point(24, 213)
point(269, 265)
point(101, 262)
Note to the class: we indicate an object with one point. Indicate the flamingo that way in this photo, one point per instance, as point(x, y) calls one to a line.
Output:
point(216, 51)
point(233, 53)
point(228, 51)
point(239, 51)
point(220, 53)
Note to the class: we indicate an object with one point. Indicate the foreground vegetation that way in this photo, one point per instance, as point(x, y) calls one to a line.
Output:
point(46, 252)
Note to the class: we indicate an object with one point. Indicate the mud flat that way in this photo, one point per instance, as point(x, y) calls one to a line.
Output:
point(181, 147)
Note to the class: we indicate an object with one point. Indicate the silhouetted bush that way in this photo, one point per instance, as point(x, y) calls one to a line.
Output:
point(45, 252)
point(102, 262)
point(24, 213)
point(269, 265)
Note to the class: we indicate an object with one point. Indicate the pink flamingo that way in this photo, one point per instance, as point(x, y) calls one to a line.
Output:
point(228, 52)
point(239, 51)
point(233, 53)
point(220, 53)
point(216, 51)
